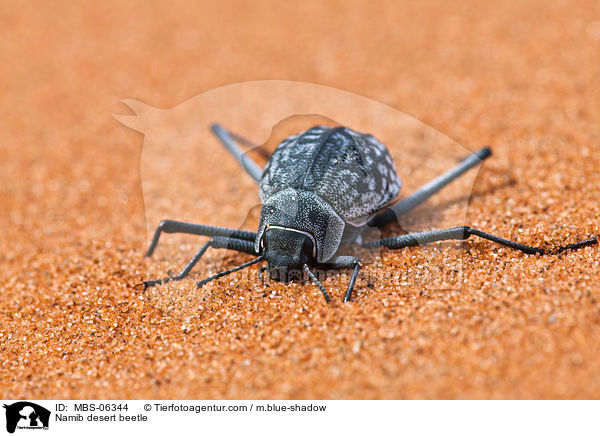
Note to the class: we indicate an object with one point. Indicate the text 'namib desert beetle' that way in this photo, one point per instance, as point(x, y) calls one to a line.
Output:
point(320, 189)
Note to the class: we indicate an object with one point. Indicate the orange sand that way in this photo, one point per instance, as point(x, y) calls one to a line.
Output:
point(521, 77)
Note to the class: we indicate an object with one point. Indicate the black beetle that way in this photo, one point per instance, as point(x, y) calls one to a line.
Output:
point(321, 188)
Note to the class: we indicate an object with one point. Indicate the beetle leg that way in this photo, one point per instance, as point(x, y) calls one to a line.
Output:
point(244, 160)
point(215, 242)
point(251, 145)
point(346, 262)
point(169, 226)
point(261, 273)
point(229, 271)
point(429, 189)
point(316, 281)
point(462, 233)
point(348, 294)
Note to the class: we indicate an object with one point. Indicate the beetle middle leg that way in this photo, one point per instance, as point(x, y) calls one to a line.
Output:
point(170, 226)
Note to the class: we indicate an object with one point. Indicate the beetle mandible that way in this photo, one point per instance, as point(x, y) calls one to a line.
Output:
point(320, 189)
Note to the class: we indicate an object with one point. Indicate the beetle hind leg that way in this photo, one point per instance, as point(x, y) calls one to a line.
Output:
point(229, 142)
point(464, 232)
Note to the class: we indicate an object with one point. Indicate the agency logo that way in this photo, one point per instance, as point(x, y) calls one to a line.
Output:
point(26, 415)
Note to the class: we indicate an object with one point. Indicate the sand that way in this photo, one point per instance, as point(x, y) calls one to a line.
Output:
point(520, 77)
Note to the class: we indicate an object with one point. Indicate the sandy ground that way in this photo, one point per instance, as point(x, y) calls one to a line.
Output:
point(522, 77)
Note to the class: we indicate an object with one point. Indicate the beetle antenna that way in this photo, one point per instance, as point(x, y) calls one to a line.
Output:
point(232, 270)
point(316, 281)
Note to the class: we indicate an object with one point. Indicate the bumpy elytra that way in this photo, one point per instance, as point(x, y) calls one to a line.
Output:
point(321, 188)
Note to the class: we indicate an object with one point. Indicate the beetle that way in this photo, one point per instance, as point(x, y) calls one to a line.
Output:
point(320, 189)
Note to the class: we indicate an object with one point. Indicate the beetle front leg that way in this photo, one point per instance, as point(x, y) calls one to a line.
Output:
point(215, 242)
point(341, 262)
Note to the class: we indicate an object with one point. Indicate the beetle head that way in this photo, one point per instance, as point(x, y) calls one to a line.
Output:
point(304, 213)
point(286, 252)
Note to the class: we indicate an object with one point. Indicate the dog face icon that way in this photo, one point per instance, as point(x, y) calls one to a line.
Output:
point(26, 414)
